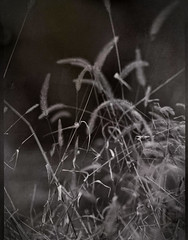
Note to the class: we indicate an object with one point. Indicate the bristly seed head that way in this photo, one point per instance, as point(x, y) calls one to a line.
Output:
point(107, 5)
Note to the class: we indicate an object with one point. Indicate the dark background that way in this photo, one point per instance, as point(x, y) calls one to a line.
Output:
point(59, 29)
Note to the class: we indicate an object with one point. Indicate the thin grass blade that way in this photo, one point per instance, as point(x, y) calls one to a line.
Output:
point(123, 82)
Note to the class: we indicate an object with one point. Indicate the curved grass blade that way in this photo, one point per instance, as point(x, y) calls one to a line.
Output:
point(115, 102)
point(58, 115)
point(74, 61)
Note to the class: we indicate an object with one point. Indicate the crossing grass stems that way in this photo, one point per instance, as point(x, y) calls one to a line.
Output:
point(126, 181)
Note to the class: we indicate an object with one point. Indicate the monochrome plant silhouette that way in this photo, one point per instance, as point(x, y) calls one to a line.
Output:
point(126, 179)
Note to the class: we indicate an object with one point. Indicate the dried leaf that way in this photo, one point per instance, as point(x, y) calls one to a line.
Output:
point(106, 88)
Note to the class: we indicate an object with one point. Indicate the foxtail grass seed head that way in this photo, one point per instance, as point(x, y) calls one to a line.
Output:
point(51, 109)
point(60, 136)
point(147, 95)
point(80, 77)
point(43, 95)
point(32, 108)
point(160, 19)
point(107, 5)
point(103, 83)
point(140, 70)
point(99, 62)
point(132, 66)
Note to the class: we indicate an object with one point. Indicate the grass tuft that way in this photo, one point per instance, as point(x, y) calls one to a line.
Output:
point(119, 175)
